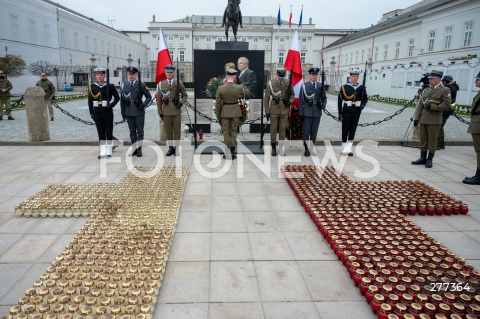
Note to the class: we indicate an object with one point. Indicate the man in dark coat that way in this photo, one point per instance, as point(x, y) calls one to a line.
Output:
point(133, 108)
point(246, 76)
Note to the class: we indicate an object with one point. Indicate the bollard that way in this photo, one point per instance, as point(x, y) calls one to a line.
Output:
point(37, 119)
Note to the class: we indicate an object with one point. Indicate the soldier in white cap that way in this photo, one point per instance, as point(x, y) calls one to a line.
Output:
point(99, 96)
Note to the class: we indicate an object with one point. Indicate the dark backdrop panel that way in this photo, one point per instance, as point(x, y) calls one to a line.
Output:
point(211, 63)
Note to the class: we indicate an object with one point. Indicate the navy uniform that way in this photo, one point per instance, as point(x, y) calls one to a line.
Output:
point(429, 114)
point(351, 101)
point(169, 106)
point(102, 113)
point(474, 129)
point(279, 95)
point(312, 102)
point(133, 109)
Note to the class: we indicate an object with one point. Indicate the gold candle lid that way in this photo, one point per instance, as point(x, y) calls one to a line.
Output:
point(15, 310)
point(90, 301)
point(136, 292)
point(73, 308)
point(63, 283)
point(95, 292)
point(145, 308)
point(64, 299)
point(109, 292)
point(23, 300)
point(86, 310)
point(57, 308)
point(101, 310)
point(105, 301)
point(125, 317)
point(44, 307)
point(146, 299)
point(129, 309)
point(444, 307)
point(28, 309)
point(36, 300)
point(133, 300)
point(57, 291)
point(123, 292)
point(78, 299)
point(70, 291)
point(67, 316)
point(43, 291)
point(19, 316)
point(36, 316)
point(51, 299)
point(30, 292)
point(116, 309)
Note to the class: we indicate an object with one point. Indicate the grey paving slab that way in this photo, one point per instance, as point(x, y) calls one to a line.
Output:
point(76, 225)
point(11, 274)
point(281, 281)
point(16, 225)
point(251, 189)
point(28, 249)
point(347, 309)
point(4, 217)
point(270, 246)
point(198, 189)
point(309, 246)
point(193, 222)
point(230, 246)
point(475, 235)
point(458, 242)
point(31, 190)
point(185, 282)
point(261, 221)
point(24, 282)
point(7, 240)
point(56, 248)
point(190, 247)
point(227, 222)
point(225, 189)
point(223, 203)
point(196, 203)
point(295, 221)
point(256, 203)
point(434, 223)
point(52, 225)
point(288, 310)
point(181, 311)
point(284, 203)
point(328, 281)
point(244, 310)
point(233, 281)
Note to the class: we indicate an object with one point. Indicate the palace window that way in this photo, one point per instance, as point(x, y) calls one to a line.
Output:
point(14, 22)
point(75, 40)
point(255, 40)
point(267, 40)
point(431, 41)
point(302, 57)
point(376, 53)
point(363, 55)
point(182, 56)
point(467, 36)
point(46, 28)
point(267, 57)
point(448, 38)
point(282, 39)
point(410, 47)
point(385, 52)
point(281, 57)
point(171, 54)
point(33, 35)
point(181, 38)
point(196, 39)
point(397, 49)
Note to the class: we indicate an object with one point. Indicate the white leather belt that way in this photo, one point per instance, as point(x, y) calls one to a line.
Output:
point(99, 103)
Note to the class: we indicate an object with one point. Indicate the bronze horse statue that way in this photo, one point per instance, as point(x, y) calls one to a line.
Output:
point(232, 17)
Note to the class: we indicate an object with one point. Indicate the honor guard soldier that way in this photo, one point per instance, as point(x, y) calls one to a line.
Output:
point(428, 114)
point(133, 108)
point(447, 82)
point(312, 103)
point(278, 98)
point(172, 95)
point(474, 129)
point(49, 89)
point(228, 110)
point(351, 101)
point(99, 96)
point(5, 88)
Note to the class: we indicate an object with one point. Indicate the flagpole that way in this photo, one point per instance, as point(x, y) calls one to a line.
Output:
point(279, 23)
point(290, 25)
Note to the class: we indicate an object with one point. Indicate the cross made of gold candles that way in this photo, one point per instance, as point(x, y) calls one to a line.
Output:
point(402, 271)
point(114, 266)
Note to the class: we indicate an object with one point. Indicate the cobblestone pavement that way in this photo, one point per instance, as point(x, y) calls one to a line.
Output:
point(64, 128)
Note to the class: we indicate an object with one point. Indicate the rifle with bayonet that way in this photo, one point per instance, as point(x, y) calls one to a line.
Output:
point(364, 89)
point(138, 102)
point(179, 103)
point(322, 93)
point(108, 83)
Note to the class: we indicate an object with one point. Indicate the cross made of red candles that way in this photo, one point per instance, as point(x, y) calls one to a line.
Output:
point(402, 271)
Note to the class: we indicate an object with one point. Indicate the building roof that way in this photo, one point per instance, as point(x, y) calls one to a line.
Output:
point(392, 22)
point(218, 19)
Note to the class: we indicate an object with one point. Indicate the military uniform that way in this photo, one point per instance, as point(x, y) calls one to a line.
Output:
point(279, 95)
point(228, 110)
point(446, 113)
point(5, 96)
point(474, 129)
point(133, 109)
point(169, 104)
point(312, 102)
point(429, 114)
point(49, 89)
point(351, 101)
point(102, 113)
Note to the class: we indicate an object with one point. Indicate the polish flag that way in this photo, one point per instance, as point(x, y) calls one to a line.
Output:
point(163, 58)
point(292, 62)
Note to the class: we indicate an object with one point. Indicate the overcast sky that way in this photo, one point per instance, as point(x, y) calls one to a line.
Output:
point(338, 14)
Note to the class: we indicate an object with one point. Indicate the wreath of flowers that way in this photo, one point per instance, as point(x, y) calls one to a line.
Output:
point(296, 125)
point(212, 86)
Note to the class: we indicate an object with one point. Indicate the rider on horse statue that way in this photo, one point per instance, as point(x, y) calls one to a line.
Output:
point(239, 15)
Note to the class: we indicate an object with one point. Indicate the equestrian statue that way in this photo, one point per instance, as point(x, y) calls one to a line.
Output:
point(232, 17)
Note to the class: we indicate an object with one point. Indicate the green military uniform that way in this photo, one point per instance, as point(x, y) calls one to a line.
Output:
point(228, 110)
point(169, 108)
point(429, 114)
point(49, 89)
point(278, 97)
point(5, 96)
point(474, 129)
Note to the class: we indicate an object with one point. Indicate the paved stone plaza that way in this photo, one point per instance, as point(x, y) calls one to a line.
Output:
point(244, 247)
point(64, 128)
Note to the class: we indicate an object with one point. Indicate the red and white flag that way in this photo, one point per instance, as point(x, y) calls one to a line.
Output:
point(290, 19)
point(163, 58)
point(293, 62)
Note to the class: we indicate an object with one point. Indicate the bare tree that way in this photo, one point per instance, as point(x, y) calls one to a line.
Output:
point(39, 67)
point(12, 65)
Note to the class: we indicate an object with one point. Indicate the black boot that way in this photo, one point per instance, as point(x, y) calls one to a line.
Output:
point(422, 159)
point(134, 152)
point(274, 149)
point(474, 180)
point(232, 150)
point(307, 151)
point(170, 151)
point(139, 152)
point(429, 162)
